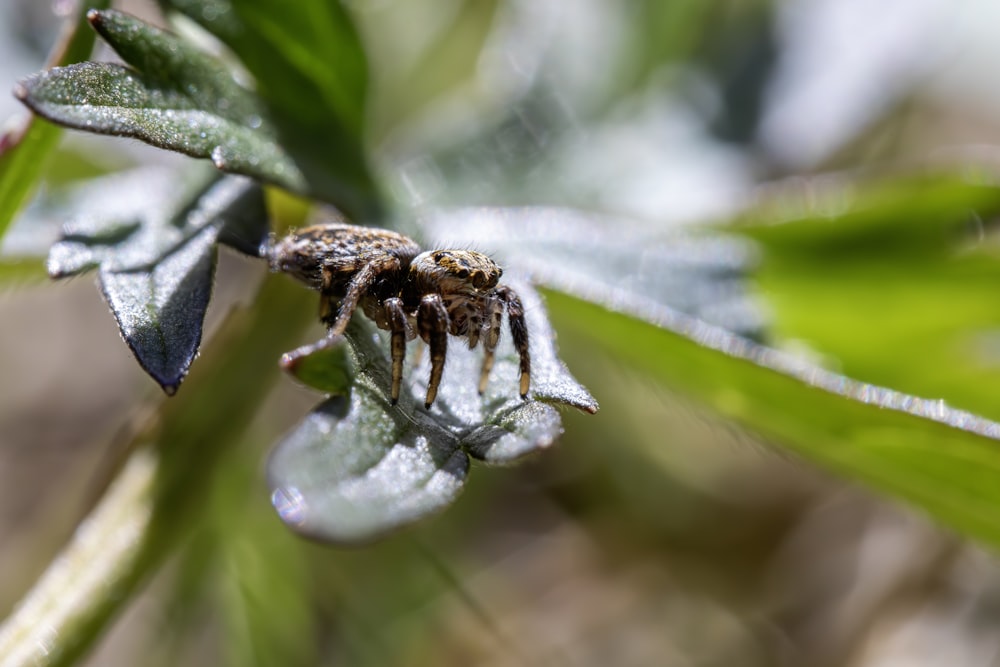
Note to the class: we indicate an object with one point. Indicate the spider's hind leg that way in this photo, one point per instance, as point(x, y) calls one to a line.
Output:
point(519, 332)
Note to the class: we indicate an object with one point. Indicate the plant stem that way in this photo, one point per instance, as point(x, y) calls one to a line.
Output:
point(157, 498)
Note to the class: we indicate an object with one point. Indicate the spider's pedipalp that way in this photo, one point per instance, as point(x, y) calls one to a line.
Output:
point(519, 332)
point(493, 317)
point(432, 320)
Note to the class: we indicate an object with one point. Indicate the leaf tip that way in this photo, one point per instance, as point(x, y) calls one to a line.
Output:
point(218, 158)
point(93, 17)
point(21, 90)
point(169, 385)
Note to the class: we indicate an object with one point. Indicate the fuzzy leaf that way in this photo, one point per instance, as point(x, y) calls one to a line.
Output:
point(176, 98)
point(357, 468)
point(699, 273)
point(153, 240)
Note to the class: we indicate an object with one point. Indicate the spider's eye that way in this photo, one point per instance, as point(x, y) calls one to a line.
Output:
point(479, 279)
point(462, 273)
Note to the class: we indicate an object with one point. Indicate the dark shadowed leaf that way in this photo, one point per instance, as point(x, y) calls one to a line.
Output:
point(312, 73)
point(176, 98)
point(358, 467)
point(152, 234)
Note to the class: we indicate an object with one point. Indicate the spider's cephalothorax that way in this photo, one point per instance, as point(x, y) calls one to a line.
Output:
point(406, 292)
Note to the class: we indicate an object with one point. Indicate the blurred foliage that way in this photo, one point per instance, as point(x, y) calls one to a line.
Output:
point(659, 532)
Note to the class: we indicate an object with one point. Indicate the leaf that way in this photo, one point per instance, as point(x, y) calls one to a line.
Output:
point(324, 365)
point(177, 98)
point(350, 472)
point(357, 467)
point(24, 149)
point(699, 272)
point(892, 282)
point(312, 74)
point(875, 280)
point(153, 240)
point(944, 460)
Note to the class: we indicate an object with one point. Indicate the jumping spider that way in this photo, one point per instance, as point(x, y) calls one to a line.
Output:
point(407, 292)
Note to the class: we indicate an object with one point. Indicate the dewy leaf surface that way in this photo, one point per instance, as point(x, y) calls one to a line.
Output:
point(152, 235)
point(173, 97)
point(357, 468)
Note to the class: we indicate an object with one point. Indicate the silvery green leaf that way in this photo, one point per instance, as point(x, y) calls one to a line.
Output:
point(358, 467)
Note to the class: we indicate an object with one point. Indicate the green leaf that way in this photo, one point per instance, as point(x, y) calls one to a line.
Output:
point(894, 282)
point(15, 271)
point(939, 458)
point(24, 150)
point(357, 467)
point(324, 365)
point(312, 73)
point(875, 281)
point(153, 242)
point(177, 98)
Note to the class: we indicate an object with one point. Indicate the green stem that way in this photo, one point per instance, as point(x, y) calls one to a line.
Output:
point(156, 501)
point(83, 586)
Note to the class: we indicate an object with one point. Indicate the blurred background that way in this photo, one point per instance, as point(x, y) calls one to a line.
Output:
point(655, 533)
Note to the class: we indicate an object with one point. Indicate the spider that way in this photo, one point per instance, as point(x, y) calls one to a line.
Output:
point(407, 292)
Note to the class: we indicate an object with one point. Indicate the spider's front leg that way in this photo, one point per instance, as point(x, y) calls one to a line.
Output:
point(360, 282)
point(519, 332)
point(432, 320)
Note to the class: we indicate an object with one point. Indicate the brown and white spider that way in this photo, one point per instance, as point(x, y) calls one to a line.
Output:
point(407, 292)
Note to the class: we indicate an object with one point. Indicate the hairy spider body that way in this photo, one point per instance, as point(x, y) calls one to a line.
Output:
point(407, 292)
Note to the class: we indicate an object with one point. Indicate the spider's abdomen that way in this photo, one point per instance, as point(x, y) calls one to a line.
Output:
point(340, 250)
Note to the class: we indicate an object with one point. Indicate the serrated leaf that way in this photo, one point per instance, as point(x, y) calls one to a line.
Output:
point(177, 98)
point(153, 237)
point(412, 460)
